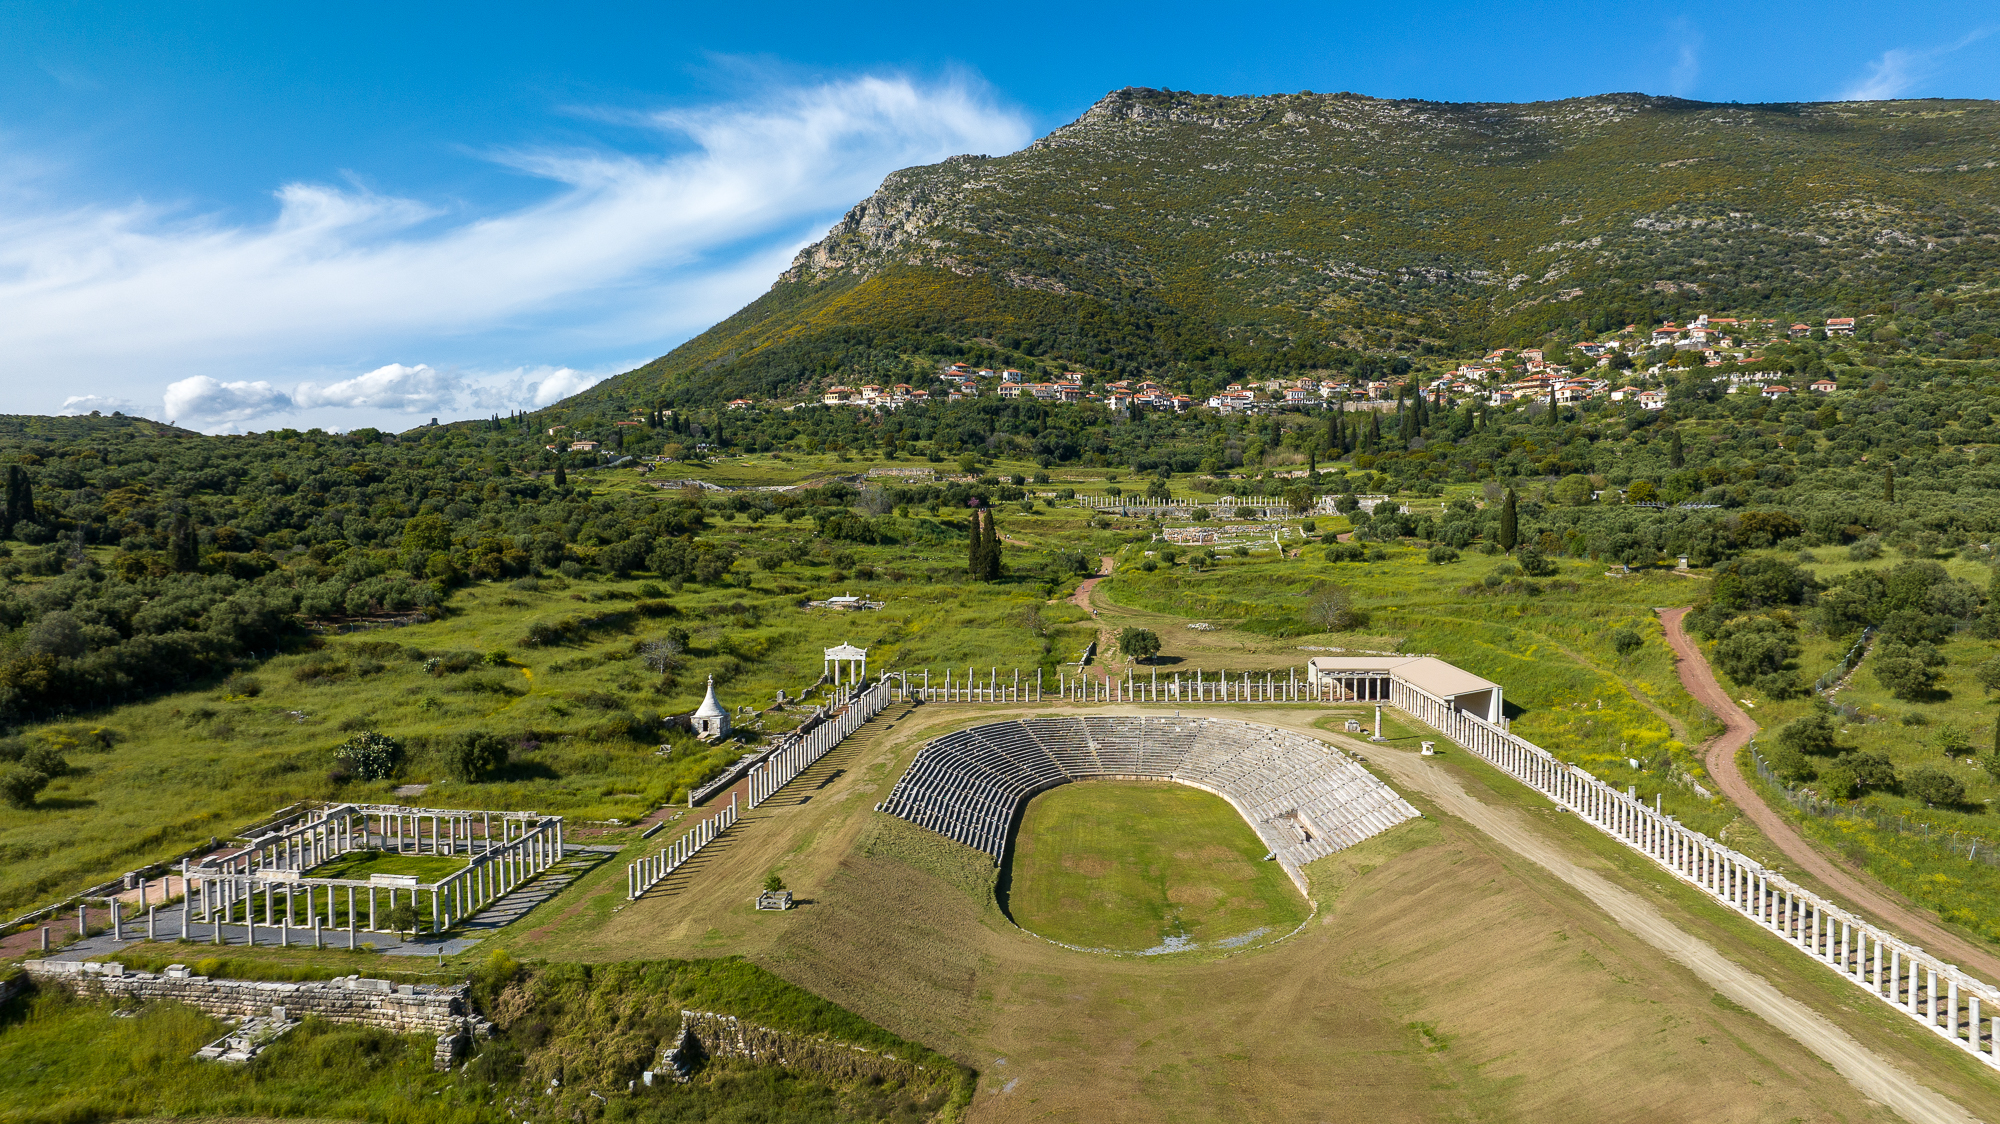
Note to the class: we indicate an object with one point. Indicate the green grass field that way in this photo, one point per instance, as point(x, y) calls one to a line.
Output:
point(361, 864)
point(1135, 867)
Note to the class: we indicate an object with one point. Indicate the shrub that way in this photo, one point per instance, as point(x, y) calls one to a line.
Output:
point(1442, 554)
point(1838, 783)
point(1625, 641)
point(1139, 643)
point(1870, 770)
point(1755, 652)
point(1933, 786)
point(1812, 734)
point(45, 759)
point(1331, 608)
point(1346, 552)
point(20, 785)
point(1951, 741)
point(1534, 563)
point(368, 756)
point(403, 917)
point(1910, 672)
point(474, 756)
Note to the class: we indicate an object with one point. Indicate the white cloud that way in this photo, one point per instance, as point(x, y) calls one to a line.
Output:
point(205, 402)
point(1898, 71)
point(562, 383)
point(1687, 61)
point(408, 390)
point(84, 403)
point(628, 252)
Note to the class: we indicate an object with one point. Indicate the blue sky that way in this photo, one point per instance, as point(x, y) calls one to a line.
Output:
point(241, 217)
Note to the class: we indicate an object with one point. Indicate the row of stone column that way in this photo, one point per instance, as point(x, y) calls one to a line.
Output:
point(1128, 688)
point(428, 831)
point(645, 873)
point(497, 870)
point(1919, 984)
point(778, 770)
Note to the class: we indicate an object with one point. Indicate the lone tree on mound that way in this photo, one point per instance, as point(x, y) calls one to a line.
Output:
point(1139, 643)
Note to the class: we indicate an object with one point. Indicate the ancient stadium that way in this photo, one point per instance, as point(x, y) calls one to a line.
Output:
point(1271, 895)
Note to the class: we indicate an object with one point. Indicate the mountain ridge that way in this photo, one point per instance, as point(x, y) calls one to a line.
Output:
point(1167, 233)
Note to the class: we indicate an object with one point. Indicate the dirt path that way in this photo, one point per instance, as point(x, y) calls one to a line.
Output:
point(1870, 1073)
point(1720, 756)
point(1081, 598)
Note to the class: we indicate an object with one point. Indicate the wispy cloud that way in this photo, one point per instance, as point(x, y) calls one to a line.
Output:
point(392, 396)
point(1687, 59)
point(1898, 70)
point(626, 250)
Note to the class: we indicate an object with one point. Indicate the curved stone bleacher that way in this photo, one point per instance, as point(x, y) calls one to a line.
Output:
point(1303, 798)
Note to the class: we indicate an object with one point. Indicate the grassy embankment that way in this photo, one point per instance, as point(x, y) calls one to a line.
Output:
point(591, 1028)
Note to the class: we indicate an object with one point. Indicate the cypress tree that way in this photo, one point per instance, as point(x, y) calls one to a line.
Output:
point(975, 550)
point(1889, 483)
point(1675, 457)
point(1510, 524)
point(20, 500)
point(1333, 436)
point(1996, 735)
point(182, 549)
point(992, 548)
point(1374, 430)
point(562, 478)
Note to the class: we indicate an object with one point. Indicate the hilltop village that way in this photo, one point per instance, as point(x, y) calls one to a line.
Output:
point(1632, 365)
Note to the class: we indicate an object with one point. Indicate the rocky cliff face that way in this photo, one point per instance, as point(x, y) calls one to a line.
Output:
point(1308, 204)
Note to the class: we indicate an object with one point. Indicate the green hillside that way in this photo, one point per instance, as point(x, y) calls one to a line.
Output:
point(1198, 239)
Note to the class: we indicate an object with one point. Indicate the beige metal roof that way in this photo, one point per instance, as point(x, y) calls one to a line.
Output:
point(1356, 663)
point(1442, 679)
point(1428, 672)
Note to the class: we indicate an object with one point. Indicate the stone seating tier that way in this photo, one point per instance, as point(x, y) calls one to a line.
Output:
point(1305, 799)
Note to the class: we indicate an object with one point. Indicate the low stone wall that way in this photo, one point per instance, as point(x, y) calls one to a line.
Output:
point(707, 1034)
point(405, 1009)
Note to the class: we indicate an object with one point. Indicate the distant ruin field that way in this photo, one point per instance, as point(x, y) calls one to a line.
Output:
point(1158, 867)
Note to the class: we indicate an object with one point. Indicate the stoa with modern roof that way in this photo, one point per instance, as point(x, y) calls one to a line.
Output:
point(1367, 677)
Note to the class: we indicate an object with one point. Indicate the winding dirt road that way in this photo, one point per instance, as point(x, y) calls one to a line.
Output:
point(1720, 757)
point(1081, 598)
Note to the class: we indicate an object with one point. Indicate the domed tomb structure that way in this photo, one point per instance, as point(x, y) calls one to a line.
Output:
point(709, 721)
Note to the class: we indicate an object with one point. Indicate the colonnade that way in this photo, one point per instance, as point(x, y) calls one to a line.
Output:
point(799, 753)
point(320, 835)
point(645, 873)
point(1963, 1010)
point(1131, 687)
point(243, 891)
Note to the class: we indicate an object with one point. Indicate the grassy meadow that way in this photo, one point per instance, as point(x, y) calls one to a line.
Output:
point(1144, 867)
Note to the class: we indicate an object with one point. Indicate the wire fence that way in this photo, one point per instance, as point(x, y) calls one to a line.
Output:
point(1945, 841)
point(1847, 663)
